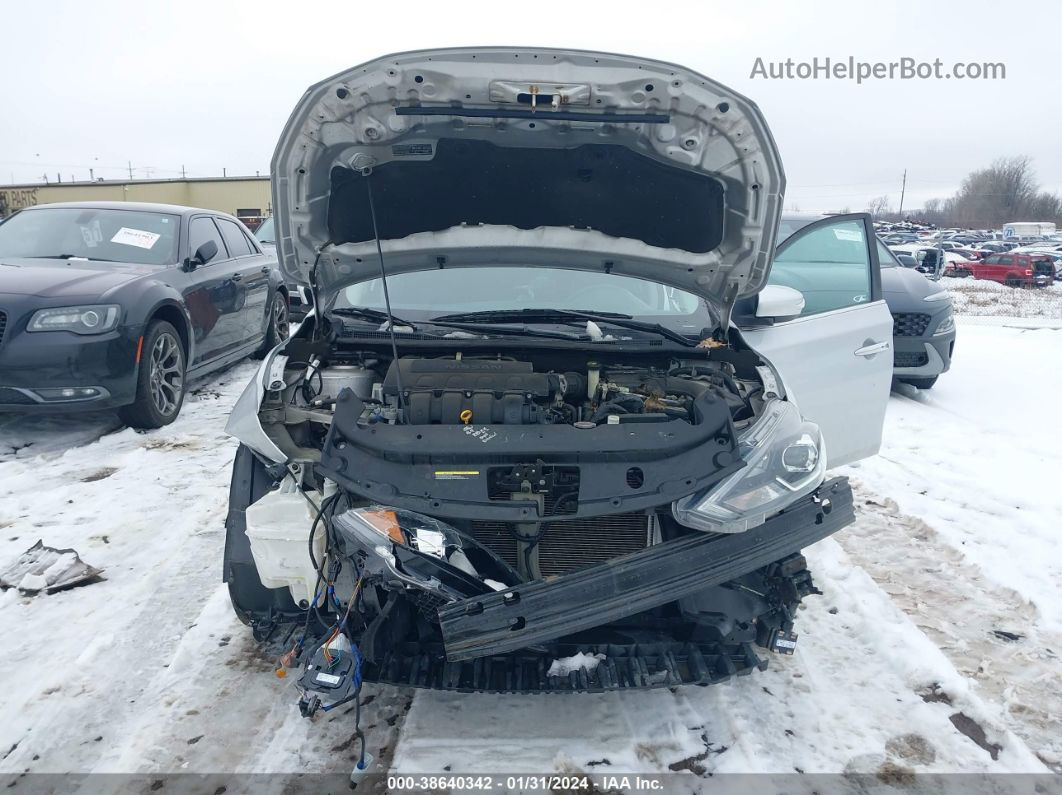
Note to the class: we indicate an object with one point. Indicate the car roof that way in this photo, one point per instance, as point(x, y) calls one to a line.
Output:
point(145, 207)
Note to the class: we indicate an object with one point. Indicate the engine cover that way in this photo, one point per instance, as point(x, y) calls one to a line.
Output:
point(481, 391)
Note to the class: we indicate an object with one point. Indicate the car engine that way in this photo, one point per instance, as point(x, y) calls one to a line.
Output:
point(506, 391)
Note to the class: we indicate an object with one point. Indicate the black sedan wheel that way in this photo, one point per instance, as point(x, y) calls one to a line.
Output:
point(160, 379)
point(279, 324)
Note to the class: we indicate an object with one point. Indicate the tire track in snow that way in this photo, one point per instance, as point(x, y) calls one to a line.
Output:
point(968, 616)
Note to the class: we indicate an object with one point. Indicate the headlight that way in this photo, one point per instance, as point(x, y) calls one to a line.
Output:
point(392, 534)
point(946, 325)
point(79, 319)
point(785, 459)
point(942, 295)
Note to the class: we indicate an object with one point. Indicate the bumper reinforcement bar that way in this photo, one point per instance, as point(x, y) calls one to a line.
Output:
point(525, 615)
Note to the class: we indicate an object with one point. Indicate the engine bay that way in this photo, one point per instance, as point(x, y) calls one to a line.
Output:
point(501, 389)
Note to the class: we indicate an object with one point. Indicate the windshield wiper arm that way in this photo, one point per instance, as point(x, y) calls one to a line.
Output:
point(566, 316)
point(371, 314)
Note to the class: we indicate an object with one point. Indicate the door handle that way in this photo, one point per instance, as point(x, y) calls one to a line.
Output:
point(265, 269)
point(872, 348)
point(237, 277)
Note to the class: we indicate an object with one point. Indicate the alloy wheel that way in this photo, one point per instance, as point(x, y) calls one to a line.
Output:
point(166, 377)
point(280, 318)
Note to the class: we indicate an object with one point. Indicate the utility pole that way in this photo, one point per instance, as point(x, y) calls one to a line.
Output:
point(903, 188)
point(92, 175)
point(130, 169)
point(183, 175)
point(224, 172)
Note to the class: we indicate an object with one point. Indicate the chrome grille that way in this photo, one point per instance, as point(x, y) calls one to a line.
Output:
point(909, 324)
point(571, 544)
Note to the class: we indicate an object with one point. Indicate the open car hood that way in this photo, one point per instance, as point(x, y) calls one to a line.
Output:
point(518, 156)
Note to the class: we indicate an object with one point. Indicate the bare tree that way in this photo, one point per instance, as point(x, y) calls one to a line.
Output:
point(990, 197)
point(879, 207)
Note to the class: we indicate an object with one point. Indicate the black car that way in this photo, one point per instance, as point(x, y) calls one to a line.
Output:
point(300, 299)
point(117, 304)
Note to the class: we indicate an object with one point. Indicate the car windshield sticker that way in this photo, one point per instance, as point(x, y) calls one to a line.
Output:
point(135, 237)
point(92, 234)
point(848, 234)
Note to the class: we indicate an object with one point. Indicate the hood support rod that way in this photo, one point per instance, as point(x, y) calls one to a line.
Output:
point(367, 173)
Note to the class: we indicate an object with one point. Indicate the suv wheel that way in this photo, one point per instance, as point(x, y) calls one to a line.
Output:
point(159, 379)
point(920, 383)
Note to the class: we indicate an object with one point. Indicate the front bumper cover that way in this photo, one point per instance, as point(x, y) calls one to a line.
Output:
point(544, 610)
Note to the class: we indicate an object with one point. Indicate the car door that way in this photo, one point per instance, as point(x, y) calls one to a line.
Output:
point(226, 296)
point(835, 358)
point(252, 273)
point(204, 286)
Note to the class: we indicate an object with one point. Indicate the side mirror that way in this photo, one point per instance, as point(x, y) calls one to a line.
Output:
point(203, 255)
point(776, 300)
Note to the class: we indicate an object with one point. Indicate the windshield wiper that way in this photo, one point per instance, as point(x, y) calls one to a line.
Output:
point(70, 256)
point(381, 317)
point(371, 314)
point(568, 316)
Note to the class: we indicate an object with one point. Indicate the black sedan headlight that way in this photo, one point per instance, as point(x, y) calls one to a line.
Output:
point(90, 319)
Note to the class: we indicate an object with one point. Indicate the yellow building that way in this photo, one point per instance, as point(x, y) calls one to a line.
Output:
point(247, 198)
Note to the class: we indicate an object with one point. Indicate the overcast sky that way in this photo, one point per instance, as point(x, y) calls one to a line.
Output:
point(208, 86)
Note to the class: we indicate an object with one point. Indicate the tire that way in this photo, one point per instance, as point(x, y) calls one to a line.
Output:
point(279, 324)
point(920, 383)
point(1012, 281)
point(160, 379)
point(251, 601)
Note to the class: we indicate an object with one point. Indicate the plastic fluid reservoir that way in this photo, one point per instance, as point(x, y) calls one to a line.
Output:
point(278, 528)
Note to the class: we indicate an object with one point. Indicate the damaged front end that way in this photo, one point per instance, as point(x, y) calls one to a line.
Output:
point(556, 449)
point(666, 547)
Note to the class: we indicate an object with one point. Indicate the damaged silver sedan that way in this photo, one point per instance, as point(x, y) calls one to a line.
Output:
point(549, 403)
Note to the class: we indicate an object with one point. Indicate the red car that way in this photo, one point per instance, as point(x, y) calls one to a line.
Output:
point(1015, 270)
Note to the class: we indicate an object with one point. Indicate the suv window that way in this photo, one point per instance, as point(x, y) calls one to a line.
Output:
point(886, 257)
point(1006, 260)
point(234, 239)
point(200, 231)
point(830, 265)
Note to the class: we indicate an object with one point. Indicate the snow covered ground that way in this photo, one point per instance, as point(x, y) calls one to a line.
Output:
point(980, 297)
point(934, 648)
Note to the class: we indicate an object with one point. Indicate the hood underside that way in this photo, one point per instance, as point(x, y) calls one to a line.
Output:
point(516, 156)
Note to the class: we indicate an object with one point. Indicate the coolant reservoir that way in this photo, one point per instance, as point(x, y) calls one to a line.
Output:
point(278, 527)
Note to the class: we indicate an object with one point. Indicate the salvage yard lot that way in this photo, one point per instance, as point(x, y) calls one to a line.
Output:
point(934, 647)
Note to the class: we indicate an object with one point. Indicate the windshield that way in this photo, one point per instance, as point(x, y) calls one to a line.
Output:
point(264, 233)
point(97, 234)
point(438, 292)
